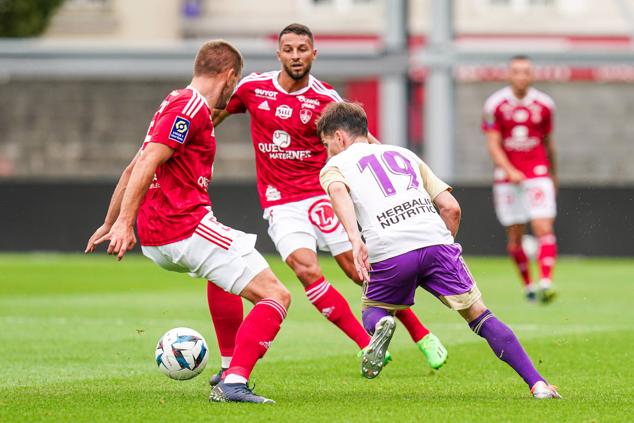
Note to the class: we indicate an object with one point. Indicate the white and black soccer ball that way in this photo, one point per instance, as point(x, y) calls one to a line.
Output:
point(181, 353)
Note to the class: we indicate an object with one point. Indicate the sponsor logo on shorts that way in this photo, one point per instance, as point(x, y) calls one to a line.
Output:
point(283, 111)
point(305, 115)
point(179, 131)
point(405, 211)
point(322, 215)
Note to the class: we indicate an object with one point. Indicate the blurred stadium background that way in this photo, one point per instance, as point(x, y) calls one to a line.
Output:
point(80, 80)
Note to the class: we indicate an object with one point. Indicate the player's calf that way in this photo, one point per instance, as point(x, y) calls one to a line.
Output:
point(503, 342)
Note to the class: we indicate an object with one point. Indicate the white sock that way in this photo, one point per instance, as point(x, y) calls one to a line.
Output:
point(225, 362)
point(233, 378)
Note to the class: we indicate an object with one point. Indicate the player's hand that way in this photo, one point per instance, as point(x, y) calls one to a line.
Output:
point(121, 237)
point(361, 262)
point(516, 176)
point(101, 231)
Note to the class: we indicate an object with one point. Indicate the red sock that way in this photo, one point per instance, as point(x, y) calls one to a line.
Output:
point(519, 256)
point(335, 308)
point(547, 255)
point(227, 314)
point(415, 328)
point(255, 336)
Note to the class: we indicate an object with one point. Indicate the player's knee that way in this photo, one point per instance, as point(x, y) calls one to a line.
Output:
point(307, 273)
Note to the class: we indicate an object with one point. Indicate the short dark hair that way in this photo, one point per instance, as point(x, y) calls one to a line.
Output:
point(297, 28)
point(216, 56)
point(349, 117)
point(520, 57)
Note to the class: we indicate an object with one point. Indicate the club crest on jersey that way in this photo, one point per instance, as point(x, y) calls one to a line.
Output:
point(179, 131)
point(281, 138)
point(283, 111)
point(305, 115)
point(322, 215)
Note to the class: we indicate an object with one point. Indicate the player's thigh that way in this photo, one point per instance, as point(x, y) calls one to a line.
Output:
point(290, 228)
point(331, 235)
point(540, 198)
point(447, 276)
point(509, 204)
point(392, 282)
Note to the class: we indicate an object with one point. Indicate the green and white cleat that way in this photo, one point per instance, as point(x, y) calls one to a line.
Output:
point(434, 351)
point(543, 391)
point(375, 355)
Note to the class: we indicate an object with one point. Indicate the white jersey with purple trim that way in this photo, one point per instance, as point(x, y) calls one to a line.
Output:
point(393, 192)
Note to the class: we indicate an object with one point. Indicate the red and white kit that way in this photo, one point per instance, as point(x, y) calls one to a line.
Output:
point(523, 124)
point(289, 157)
point(176, 226)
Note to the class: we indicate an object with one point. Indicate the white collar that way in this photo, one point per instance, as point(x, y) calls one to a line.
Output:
point(189, 87)
point(277, 85)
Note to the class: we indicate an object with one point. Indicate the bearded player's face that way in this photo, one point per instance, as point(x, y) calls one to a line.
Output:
point(521, 74)
point(296, 54)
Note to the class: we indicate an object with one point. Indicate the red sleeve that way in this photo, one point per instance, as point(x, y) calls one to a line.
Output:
point(236, 103)
point(490, 121)
point(174, 128)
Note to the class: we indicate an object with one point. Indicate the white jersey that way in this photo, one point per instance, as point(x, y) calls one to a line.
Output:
point(392, 191)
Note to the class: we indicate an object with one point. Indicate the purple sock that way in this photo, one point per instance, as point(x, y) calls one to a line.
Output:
point(371, 316)
point(506, 347)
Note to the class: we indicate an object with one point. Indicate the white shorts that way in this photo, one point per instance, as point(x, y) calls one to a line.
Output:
point(306, 224)
point(215, 252)
point(519, 203)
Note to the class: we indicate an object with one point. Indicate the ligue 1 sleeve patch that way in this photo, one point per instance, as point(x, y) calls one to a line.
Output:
point(179, 131)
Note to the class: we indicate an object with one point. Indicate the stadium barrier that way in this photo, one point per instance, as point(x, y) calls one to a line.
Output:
point(60, 216)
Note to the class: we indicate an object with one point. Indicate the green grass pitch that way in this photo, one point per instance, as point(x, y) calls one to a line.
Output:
point(78, 336)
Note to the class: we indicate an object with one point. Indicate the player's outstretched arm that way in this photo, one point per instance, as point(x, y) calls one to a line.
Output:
point(449, 210)
point(344, 209)
point(494, 144)
point(113, 208)
point(121, 234)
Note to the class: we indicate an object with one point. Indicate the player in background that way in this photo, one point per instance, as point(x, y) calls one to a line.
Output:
point(391, 194)
point(284, 106)
point(518, 123)
point(167, 185)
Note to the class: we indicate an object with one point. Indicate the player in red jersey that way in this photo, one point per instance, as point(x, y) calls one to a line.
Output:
point(166, 184)
point(518, 122)
point(284, 106)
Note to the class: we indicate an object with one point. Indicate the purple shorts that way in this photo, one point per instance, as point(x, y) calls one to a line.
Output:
point(438, 269)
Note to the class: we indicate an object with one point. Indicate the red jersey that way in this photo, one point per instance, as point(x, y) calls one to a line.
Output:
point(288, 153)
point(177, 199)
point(523, 124)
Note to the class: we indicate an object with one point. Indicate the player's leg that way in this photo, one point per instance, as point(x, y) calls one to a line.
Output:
point(325, 297)
point(511, 212)
point(391, 287)
point(449, 279)
point(427, 342)
point(540, 197)
point(507, 347)
point(227, 314)
point(514, 234)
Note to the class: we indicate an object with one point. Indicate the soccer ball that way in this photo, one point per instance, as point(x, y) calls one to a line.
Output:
point(181, 353)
